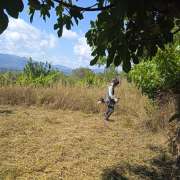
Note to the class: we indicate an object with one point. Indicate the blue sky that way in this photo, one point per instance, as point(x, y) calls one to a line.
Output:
point(40, 41)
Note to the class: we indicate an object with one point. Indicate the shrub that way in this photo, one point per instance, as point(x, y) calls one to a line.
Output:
point(38, 73)
point(160, 73)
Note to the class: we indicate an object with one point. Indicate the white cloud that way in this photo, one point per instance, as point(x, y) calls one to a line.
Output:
point(82, 51)
point(23, 39)
point(62, 60)
point(68, 34)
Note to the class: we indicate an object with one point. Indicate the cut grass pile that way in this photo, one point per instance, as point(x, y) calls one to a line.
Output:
point(38, 143)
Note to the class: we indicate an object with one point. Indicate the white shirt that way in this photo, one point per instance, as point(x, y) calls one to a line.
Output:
point(110, 94)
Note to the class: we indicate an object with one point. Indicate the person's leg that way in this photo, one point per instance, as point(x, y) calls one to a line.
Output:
point(107, 109)
point(110, 110)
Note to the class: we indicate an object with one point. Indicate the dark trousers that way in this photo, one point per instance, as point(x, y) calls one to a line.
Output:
point(110, 108)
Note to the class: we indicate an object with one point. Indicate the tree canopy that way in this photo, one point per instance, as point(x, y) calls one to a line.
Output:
point(123, 32)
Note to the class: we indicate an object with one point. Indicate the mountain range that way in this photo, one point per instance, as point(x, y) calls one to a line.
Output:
point(17, 63)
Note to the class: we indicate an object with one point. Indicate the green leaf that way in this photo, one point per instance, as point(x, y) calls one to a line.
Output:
point(3, 21)
point(152, 50)
point(76, 20)
point(169, 37)
point(80, 16)
point(127, 62)
point(56, 26)
point(59, 9)
point(35, 4)
point(109, 61)
point(32, 11)
point(67, 21)
point(60, 31)
point(126, 66)
point(94, 61)
point(117, 60)
point(76, 13)
point(50, 3)
point(31, 17)
point(139, 51)
point(135, 59)
point(111, 54)
point(14, 7)
point(44, 11)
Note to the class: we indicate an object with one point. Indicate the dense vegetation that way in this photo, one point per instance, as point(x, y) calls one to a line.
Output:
point(162, 72)
point(42, 74)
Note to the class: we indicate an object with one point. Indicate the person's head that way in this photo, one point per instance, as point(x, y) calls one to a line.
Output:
point(115, 82)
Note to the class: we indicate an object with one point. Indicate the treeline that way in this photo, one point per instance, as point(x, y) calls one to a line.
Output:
point(42, 74)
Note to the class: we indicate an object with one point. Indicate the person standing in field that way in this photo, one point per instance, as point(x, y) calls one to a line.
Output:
point(111, 100)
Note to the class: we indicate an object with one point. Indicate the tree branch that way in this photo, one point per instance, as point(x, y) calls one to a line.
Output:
point(83, 8)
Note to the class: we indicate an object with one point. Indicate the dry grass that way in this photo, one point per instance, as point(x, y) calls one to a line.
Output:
point(36, 143)
point(160, 115)
point(58, 133)
point(72, 98)
point(77, 98)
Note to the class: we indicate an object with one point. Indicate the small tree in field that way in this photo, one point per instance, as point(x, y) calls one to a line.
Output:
point(38, 73)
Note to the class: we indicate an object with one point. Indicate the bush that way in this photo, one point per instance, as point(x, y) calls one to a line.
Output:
point(160, 73)
point(38, 73)
point(8, 78)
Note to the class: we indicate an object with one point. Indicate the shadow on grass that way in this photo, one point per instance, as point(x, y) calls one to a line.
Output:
point(175, 116)
point(111, 120)
point(6, 111)
point(159, 168)
point(9, 173)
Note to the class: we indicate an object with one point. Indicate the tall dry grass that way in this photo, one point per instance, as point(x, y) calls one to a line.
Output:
point(79, 98)
point(71, 98)
point(159, 117)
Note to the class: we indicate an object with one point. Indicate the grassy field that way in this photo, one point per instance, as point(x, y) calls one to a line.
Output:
point(58, 133)
point(38, 143)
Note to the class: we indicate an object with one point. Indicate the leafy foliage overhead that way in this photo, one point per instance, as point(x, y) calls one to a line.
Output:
point(123, 31)
point(12, 8)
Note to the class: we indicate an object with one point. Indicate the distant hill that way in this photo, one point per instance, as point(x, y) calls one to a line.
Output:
point(12, 62)
point(17, 63)
point(64, 69)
